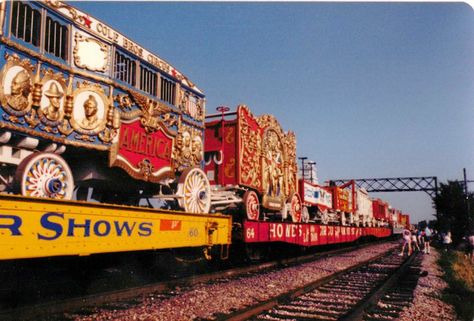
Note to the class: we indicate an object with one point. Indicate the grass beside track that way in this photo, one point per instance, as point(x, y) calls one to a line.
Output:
point(459, 274)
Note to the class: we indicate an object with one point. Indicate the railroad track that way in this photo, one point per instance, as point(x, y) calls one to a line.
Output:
point(123, 298)
point(374, 290)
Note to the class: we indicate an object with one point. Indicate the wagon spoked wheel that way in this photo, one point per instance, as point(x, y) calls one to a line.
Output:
point(45, 175)
point(324, 217)
point(305, 215)
point(251, 205)
point(295, 208)
point(194, 191)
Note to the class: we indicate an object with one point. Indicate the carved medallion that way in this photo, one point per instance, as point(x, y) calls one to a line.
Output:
point(188, 148)
point(16, 86)
point(90, 106)
point(53, 97)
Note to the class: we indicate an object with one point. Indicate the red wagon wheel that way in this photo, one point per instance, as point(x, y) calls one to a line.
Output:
point(251, 205)
point(295, 208)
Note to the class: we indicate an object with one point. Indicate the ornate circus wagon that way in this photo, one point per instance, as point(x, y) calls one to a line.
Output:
point(87, 113)
point(251, 164)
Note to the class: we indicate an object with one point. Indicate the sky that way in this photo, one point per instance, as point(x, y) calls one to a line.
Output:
point(371, 89)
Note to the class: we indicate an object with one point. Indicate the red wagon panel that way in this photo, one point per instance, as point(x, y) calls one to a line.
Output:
point(307, 234)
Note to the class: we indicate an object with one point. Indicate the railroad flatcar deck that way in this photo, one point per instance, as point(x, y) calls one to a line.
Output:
point(305, 234)
point(32, 227)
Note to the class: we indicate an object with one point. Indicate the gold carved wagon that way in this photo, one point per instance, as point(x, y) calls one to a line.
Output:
point(251, 165)
point(87, 113)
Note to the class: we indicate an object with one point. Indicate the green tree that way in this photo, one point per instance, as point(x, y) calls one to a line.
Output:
point(451, 205)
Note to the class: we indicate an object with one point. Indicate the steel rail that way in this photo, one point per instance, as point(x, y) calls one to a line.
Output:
point(355, 314)
point(35, 312)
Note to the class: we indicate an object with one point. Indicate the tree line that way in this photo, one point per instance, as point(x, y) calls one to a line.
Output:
point(455, 210)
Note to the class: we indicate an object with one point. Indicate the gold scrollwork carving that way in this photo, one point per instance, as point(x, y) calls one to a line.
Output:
point(267, 154)
point(107, 135)
point(292, 167)
point(154, 114)
point(85, 138)
point(145, 168)
point(188, 148)
point(31, 119)
point(229, 169)
point(230, 135)
point(190, 104)
point(250, 171)
point(124, 102)
point(73, 12)
point(273, 170)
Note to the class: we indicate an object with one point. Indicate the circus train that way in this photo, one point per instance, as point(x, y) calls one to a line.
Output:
point(91, 117)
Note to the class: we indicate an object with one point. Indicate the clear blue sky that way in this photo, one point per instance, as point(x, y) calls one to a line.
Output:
point(371, 89)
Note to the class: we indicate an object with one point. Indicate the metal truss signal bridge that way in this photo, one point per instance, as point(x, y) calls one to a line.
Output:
point(428, 184)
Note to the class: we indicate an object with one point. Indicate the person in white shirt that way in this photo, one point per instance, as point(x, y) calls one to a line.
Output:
point(406, 242)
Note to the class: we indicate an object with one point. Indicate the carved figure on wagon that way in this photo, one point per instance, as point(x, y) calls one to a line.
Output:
point(20, 91)
point(53, 110)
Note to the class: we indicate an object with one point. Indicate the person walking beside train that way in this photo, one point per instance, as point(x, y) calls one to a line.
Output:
point(406, 242)
point(470, 246)
point(414, 241)
point(427, 240)
point(447, 241)
point(420, 238)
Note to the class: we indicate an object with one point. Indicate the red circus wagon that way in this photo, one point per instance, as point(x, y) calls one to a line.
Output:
point(364, 213)
point(251, 164)
point(395, 216)
point(380, 209)
point(317, 202)
point(405, 220)
point(343, 201)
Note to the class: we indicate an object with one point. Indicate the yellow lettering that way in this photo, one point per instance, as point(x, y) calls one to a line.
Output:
point(135, 141)
point(124, 139)
point(132, 47)
point(142, 146)
point(149, 145)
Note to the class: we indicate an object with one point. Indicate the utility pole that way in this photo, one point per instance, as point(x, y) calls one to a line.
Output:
point(302, 165)
point(468, 207)
point(311, 164)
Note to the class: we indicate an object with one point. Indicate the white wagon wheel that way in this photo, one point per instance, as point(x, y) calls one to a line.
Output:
point(251, 205)
point(194, 191)
point(324, 217)
point(295, 208)
point(305, 215)
point(45, 175)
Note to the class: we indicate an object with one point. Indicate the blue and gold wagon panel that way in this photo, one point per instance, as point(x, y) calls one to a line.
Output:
point(70, 79)
point(31, 227)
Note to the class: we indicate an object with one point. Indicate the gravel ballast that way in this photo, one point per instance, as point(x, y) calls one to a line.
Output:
point(427, 304)
point(205, 300)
